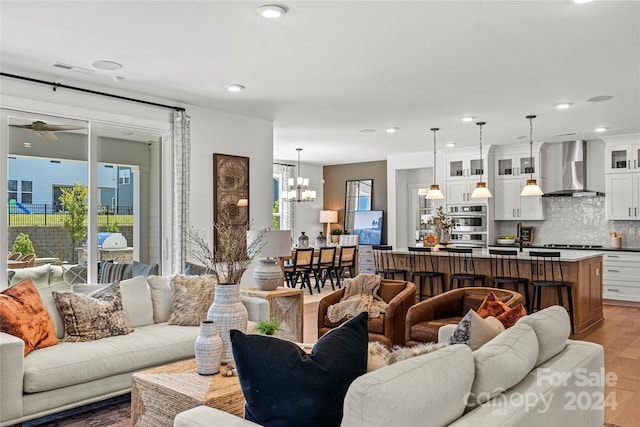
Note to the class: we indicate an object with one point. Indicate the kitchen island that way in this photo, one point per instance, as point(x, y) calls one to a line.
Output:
point(583, 268)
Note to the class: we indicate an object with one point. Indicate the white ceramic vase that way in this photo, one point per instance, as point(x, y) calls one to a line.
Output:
point(228, 312)
point(208, 349)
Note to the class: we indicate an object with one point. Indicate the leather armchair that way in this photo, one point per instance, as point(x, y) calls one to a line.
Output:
point(389, 327)
point(425, 318)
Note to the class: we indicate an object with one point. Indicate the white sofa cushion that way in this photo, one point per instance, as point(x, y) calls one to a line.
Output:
point(52, 308)
point(387, 397)
point(552, 327)
point(161, 297)
point(503, 362)
point(136, 301)
point(67, 364)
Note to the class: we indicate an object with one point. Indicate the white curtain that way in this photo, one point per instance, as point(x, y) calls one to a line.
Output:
point(287, 209)
point(181, 150)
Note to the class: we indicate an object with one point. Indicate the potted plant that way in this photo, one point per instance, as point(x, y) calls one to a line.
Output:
point(268, 328)
point(335, 235)
point(23, 245)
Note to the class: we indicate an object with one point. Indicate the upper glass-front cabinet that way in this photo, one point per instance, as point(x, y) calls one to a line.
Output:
point(622, 158)
point(512, 165)
point(465, 167)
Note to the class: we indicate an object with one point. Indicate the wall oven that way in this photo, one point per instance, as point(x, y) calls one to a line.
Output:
point(470, 229)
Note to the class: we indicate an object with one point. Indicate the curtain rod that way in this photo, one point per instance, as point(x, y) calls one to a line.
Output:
point(56, 85)
point(283, 164)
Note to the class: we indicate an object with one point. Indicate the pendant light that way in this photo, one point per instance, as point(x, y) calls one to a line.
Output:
point(434, 191)
point(481, 191)
point(531, 189)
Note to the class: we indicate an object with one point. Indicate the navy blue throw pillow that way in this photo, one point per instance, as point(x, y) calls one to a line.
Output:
point(284, 386)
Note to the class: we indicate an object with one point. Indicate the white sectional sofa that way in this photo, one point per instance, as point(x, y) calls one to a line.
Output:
point(529, 375)
point(68, 375)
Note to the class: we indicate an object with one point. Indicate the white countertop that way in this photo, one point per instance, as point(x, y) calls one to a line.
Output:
point(565, 254)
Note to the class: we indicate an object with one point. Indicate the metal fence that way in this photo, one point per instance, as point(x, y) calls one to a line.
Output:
point(52, 215)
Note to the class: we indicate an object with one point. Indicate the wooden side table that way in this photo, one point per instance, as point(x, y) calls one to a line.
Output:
point(286, 305)
point(159, 394)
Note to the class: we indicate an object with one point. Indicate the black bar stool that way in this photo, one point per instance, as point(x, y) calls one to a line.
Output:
point(546, 272)
point(424, 266)
point(505, 271)
point(462, 270)
point(385, 262)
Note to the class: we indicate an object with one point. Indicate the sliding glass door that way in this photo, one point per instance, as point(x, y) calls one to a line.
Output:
point(69, 180)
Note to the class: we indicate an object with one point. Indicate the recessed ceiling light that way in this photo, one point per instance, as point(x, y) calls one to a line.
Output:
point(367, 130)
point(234, 88)
point(581, 1)
point(451, 144)
point(271, 11)
point(600, 98)
point(601, 129)
point(391, 130)
point(519, 137)
point(107, 65)
point(118, 78)
point(127, 132)
point(563, 105)
point(468, 119)
point(27, 144)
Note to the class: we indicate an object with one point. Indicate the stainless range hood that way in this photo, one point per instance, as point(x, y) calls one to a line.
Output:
point(574, 171)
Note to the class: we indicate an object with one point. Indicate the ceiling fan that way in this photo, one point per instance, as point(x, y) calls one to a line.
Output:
point(47, 131)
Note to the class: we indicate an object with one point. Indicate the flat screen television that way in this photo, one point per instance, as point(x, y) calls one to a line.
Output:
point(368, 225)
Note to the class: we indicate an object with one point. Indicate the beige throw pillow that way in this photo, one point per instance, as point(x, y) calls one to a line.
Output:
point(160, 297)
point(90, 318)
point(475, 331)
point(191, 298)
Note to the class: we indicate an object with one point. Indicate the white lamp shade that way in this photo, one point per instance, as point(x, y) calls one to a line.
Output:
point(434, 193)
point(481, 191)
point(277, 243)
point(531, 189)
point(328, 217)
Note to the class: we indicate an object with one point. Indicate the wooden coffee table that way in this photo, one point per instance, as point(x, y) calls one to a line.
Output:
point(159, 394)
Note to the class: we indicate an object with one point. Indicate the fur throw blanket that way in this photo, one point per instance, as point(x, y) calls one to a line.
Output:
point(380, 356)
point(360, 294)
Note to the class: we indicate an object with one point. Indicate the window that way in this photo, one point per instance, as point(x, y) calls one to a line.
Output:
point(276, 203)
point(27, 192)
point(13, 189)
point(124, 176)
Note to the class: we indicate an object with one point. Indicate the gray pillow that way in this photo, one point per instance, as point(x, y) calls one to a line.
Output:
point(140, 269)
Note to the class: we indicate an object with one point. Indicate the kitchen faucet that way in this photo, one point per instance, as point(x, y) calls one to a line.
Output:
point(519, 234)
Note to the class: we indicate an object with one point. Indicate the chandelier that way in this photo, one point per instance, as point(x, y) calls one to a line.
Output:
point(299, 187)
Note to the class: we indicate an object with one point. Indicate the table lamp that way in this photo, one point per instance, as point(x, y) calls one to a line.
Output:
point(327, 217)
point(268, 275)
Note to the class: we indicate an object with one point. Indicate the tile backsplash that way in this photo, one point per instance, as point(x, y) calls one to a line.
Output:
point(576, 220)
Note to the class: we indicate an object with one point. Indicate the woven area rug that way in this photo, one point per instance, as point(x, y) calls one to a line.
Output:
point(115, 412)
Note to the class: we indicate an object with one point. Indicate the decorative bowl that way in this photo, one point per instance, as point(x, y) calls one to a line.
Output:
point(506, 241)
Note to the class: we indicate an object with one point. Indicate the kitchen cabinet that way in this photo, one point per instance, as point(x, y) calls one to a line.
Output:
point(622, 196)
point(620, 276)
point(509, 205)
point(464, 169)
point(461, 167)
point(459, 192)
point(508, 166)
point(622, 158)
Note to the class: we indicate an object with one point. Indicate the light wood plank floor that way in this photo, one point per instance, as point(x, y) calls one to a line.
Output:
point(619, 333)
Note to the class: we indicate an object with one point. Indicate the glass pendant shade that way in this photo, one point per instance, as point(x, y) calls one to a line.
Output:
point(481, 191)
point(531, 188)
point(434, 193)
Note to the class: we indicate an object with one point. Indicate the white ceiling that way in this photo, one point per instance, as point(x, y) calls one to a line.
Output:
point(328, 69)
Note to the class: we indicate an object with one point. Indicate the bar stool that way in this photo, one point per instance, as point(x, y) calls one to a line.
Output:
point(462, 270)
point(300, 269)
point(505, 271)
point(424, 265)
point(546, 272)
point(385, 262)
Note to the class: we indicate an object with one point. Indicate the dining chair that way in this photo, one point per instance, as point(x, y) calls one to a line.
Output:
point(546, 272)
point(346, 263)
point(462, 270)
point(506, 271)
point(385, 262)
point(300, 269)
point(324, 267)
point(424, 266)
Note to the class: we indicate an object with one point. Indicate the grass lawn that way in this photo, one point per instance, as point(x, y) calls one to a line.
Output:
point(57, 220)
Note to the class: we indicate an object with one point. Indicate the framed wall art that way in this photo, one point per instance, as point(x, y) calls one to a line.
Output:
point(230, 191)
